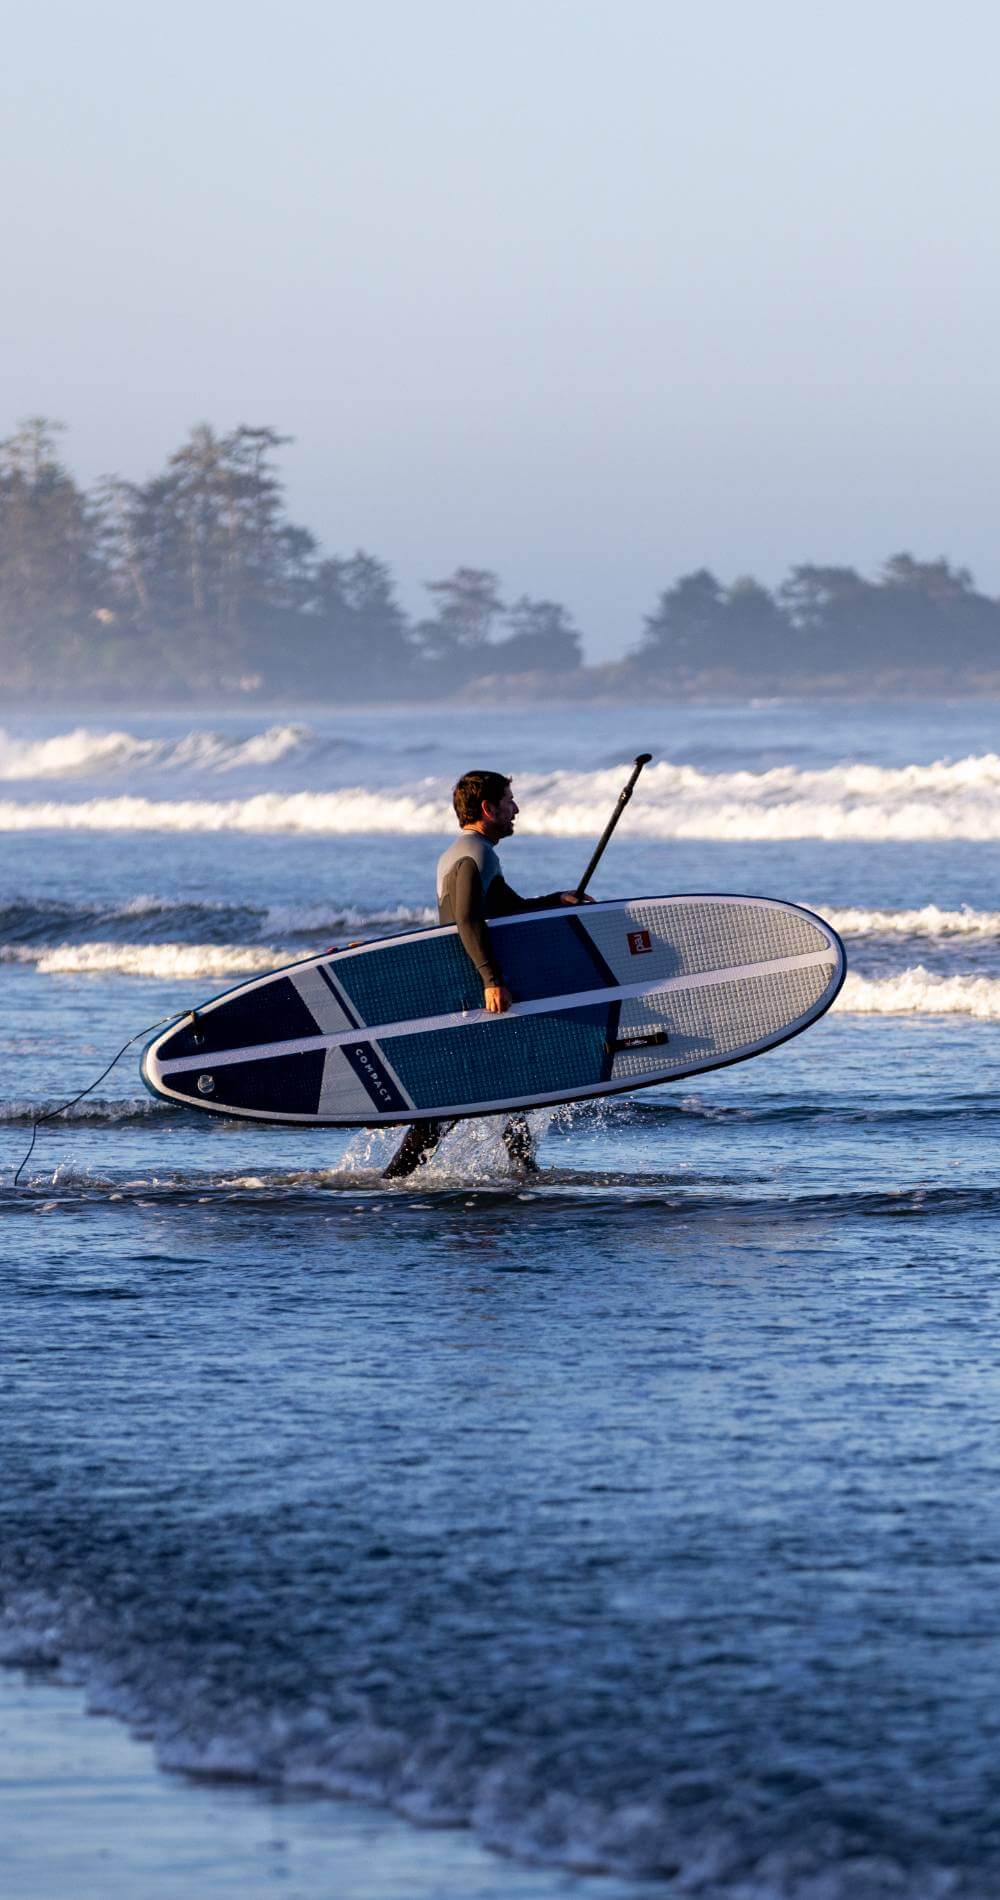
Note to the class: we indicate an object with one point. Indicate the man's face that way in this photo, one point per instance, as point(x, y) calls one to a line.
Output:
point(501, 816)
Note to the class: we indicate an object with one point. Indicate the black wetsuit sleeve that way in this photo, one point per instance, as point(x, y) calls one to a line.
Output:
point(464, 891)
point(503, 902)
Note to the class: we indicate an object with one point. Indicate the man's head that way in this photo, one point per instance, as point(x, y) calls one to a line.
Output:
point(485, 800)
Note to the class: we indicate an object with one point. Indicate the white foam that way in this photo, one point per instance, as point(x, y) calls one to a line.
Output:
point(846, 801)
point(174, 960)
point(81, 752)
point(929, 921)
point(325, 813)
point(919, 992)
point(181, 960)
point(864, 803)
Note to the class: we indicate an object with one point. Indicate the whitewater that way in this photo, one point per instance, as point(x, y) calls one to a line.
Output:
point(634, 1521)
point(849, 801)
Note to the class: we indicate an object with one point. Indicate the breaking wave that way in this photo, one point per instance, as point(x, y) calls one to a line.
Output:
point(920, 992)
point(929, 921)
point(25, 921)
point(443, 1778)
point(849, 801)
point(180, 960)
point(81, 753)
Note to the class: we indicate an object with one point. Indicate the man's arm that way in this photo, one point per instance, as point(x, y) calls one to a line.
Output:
point(468, 909)
point(505, 902)
point(465, 892)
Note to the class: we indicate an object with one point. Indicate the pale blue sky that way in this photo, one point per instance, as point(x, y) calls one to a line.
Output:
point(589, 293)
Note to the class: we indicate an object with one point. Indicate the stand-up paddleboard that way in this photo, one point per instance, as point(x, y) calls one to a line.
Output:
point(610, 997)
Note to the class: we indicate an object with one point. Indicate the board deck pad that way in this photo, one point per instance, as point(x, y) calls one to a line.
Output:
point(607, 997)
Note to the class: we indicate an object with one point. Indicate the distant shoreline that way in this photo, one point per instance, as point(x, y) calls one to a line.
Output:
point(590, 688)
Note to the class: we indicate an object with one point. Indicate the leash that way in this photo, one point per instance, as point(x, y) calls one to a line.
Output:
point(91, 1086)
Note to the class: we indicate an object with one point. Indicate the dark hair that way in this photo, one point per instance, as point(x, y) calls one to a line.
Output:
point(472, 789)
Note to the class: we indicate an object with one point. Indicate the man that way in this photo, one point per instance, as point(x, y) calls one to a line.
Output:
point(471, 888)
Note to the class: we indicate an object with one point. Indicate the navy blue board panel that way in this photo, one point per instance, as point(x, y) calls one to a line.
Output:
point(432, 977)
point(505, 1057)
point(551, 957)
point(290, 1085)
point(245, 1021)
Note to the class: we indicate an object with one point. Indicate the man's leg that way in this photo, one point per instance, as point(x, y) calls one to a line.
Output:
point(520, 1148)
point(416, 1147)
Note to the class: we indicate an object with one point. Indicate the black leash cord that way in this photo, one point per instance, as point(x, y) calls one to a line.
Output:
point(91, 1086)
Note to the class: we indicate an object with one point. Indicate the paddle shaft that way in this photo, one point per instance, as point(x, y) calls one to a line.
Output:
point(602, 842)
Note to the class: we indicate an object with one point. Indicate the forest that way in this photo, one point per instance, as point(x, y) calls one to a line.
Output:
point(196, 585)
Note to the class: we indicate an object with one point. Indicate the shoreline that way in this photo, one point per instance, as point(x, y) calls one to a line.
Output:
point(85, 1810)
point(510, 696)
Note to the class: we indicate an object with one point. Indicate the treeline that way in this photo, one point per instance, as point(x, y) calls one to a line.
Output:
point(195, 583)
point(826, 626)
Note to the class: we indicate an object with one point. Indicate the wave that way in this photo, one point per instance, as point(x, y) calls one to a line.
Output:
point(178, 960)
point(94, 1108)
point(342, 813)
point(843, 802)
point(574, 1192)
point(929, 921)
point(608, 1112)
point(317, 919)
point(27, 921)
point(82, 752)
point(920, 992)
point(646, 1110)
point(514, 1791)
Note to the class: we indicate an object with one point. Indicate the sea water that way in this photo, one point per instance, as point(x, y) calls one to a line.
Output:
point(640, 1516)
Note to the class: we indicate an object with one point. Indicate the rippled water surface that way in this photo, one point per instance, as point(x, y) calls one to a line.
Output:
point(640, 1515)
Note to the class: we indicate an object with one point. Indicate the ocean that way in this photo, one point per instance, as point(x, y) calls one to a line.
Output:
point(637, 1521)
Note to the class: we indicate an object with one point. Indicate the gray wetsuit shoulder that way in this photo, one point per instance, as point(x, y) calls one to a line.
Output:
point(470, 888)
point(468, 844)
point(465, 873)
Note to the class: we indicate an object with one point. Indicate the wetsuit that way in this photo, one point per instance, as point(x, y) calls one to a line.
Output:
point(471, 888)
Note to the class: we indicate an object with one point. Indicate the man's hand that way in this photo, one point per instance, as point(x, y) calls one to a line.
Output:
point(497, 998)
point(570, 897)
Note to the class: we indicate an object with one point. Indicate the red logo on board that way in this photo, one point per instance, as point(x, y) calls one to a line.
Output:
point(639, 942)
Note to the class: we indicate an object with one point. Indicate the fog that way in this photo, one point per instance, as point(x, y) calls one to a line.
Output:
point(587, 295)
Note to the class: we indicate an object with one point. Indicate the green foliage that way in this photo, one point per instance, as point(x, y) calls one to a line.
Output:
point(823, 626)
point(541, 638)
point(50, 572)
point(196, 583)
point(468, 605)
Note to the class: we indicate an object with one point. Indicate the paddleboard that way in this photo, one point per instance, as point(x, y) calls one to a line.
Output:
point(609, 997)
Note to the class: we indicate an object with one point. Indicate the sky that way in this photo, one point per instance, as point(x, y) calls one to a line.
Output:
point(588, 292)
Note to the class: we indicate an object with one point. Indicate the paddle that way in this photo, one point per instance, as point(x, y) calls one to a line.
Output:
point(602, 842)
